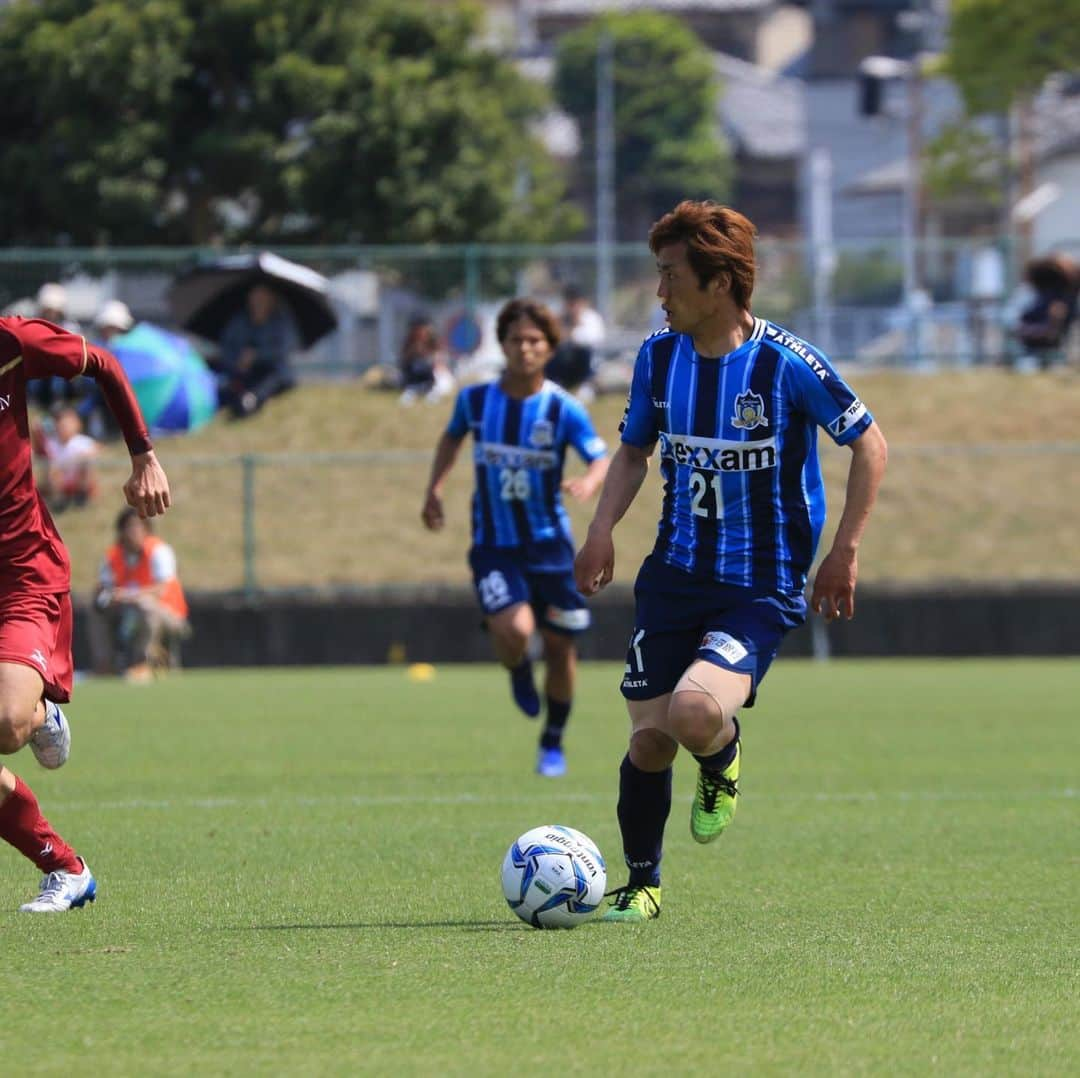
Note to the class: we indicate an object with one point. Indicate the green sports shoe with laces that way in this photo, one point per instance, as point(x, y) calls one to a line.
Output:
point(715, 801)
point(633, 904)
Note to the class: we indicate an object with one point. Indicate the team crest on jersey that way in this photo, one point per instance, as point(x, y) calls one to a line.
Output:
point(749, 411)
point(542, 434)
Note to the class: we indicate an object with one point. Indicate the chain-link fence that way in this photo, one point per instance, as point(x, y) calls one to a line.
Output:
point(327, 520)
point(852, 307)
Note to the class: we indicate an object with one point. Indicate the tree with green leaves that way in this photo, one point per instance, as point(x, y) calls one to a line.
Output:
point(964, 162)
point(667, 144)
point(1001, 51)
point(186, 121)
point(999, 55)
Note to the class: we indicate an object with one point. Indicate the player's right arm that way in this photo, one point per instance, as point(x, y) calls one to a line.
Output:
point(594, 566)
point(446, 452)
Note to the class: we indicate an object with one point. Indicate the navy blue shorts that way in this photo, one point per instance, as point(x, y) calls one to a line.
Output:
point(505, 576)
point(678, 619)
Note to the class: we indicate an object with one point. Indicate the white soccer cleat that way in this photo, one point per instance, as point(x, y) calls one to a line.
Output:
point(62, 891)
point(51, 741)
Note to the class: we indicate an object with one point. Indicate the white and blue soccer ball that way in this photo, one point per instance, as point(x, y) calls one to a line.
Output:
point(554, 877)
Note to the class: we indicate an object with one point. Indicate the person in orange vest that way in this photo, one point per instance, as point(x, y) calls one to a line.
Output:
point(139, 612)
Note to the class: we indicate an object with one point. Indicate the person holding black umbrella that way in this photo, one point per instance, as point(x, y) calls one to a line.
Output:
point(256, 346)
point(259, 308)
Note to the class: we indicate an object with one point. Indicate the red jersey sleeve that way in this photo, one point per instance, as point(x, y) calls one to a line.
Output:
point(48, 350)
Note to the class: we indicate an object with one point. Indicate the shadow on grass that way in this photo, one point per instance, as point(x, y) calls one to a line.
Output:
point(469, 926)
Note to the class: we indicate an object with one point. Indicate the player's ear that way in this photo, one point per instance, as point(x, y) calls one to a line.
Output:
point(721, 283)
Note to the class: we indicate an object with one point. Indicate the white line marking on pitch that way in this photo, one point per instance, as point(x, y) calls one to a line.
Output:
point(394, 800)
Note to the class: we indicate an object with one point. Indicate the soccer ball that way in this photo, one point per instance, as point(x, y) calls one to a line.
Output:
point(554, 877)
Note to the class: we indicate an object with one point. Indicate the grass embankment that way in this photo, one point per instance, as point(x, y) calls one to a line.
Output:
point(945, 512)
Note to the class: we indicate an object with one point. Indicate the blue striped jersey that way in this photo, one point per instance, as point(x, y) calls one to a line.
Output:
point(744, 501)
point(519, 447)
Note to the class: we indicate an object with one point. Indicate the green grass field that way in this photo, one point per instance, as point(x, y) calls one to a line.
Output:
point(298, 875)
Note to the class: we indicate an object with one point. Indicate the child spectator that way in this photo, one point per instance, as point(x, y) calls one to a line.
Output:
point(69, 478)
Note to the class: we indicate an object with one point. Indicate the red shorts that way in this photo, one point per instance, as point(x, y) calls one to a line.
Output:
point(35, 631)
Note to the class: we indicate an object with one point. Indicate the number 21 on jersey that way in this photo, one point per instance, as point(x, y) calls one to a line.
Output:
point(706, 495)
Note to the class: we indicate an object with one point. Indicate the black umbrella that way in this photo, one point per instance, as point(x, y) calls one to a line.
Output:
point(206, 297)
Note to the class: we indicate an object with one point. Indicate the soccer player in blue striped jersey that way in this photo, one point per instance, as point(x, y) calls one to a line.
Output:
point(732, 403)
point(522, 553)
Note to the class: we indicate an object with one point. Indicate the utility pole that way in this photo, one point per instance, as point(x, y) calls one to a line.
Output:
point(1024, 150)
point(873, 72)
point(913, 179)
point(605, 175)
point(821, 244)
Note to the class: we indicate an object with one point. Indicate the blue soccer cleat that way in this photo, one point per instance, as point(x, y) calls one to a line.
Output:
point(551, 763)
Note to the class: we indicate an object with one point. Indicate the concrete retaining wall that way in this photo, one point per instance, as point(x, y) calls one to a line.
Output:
point(443, 625)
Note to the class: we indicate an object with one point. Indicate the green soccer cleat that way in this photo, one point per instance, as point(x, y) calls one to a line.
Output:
point(715, 800)
point(633, 904)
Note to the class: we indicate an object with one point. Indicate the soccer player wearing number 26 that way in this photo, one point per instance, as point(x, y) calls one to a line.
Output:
point(35, 578)
point(733, 402)
point(522, 556)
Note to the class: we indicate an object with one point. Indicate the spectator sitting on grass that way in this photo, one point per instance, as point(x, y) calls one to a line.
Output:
point(256, 346)
point(140, 612)
point(573, 364)
point(69, 478)
point(112, 320)
point(51, 304)
point(1044, 324)
point(422, 365)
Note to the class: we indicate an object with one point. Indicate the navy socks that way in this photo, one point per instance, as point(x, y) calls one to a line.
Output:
point(558, 712)
point(722, 759)
point(524, 688)
point(644, 804)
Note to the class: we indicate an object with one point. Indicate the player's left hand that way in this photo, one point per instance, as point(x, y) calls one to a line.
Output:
point(834, 586)
point(147, 490)
point(577, 488)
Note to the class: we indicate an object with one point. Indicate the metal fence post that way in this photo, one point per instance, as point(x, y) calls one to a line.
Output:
point(472, 278)
point(248, 462)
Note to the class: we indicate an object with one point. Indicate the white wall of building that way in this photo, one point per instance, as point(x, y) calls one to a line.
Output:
point(1059, 223)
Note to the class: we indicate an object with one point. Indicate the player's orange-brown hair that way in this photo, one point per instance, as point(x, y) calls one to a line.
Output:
point(536, 313)
point(718, 240)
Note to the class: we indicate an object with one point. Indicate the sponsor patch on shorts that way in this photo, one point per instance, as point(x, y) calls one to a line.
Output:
point(725, 646)
point(571, 620)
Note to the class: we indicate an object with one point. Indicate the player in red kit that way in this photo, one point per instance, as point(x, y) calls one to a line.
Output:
point(35, 580)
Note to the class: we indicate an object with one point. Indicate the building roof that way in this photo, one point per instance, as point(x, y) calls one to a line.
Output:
point(763, 113)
